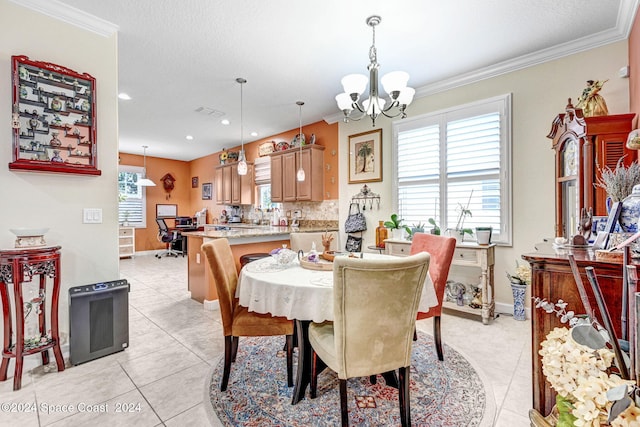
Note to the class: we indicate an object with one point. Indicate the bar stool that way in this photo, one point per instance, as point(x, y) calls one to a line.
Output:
point(247, 258)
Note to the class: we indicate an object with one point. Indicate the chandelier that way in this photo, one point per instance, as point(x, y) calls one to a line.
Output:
point(394, 83)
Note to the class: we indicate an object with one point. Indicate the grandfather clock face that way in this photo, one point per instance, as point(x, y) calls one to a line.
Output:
point(570, 158)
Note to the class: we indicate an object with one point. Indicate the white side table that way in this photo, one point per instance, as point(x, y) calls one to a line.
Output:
point(467, 257)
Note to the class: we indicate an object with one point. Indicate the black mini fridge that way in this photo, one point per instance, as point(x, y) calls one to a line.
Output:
point(98, 320)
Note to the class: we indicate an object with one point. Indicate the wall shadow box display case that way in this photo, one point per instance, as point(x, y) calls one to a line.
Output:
point(53, 118)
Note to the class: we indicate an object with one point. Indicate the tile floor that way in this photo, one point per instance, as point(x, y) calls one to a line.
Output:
point(159, 379)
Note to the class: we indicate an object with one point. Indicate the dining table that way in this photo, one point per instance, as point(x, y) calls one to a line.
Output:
point(303, 295)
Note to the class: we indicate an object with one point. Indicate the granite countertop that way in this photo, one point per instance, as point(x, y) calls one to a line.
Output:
point(247, 230)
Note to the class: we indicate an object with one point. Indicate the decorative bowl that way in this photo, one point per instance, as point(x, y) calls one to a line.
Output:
point(28, 232)
point(284, 256)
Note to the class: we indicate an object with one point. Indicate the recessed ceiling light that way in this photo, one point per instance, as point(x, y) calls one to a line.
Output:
point(224, 121)
point(254, 133)
point(124, 96)
point(189, 137)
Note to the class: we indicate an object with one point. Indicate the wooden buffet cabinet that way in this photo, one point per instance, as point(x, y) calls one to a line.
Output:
point(231, 188)
point(284, 166)
point(552, 280)
point(583, 146)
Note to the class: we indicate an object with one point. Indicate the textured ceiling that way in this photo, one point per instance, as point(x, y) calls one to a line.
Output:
point(178, 55)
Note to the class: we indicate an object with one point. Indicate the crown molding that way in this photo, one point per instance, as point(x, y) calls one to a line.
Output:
point(70, 15)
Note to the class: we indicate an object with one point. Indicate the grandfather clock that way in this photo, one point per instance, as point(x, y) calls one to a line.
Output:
point(583, 146)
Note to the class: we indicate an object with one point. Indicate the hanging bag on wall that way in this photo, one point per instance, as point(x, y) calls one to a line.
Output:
point(355, 221)
point(354, 244)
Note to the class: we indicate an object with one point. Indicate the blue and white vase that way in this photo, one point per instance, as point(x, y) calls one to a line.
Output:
point(630, 211)
point(519, 292)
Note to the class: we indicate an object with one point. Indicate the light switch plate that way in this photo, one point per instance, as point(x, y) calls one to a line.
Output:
point(92, 216)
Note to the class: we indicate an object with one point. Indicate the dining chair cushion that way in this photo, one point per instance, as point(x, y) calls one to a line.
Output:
point(251, 324)
point(375, 306)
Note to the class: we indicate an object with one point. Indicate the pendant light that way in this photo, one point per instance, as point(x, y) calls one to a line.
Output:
point(242, 160)
point(145, 182)
point(300, 175)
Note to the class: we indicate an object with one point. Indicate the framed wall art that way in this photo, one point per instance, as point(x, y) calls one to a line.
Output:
point(206, 191)
point(166, 211)
point(194, 182)
point(365, 157)
point(53, 118)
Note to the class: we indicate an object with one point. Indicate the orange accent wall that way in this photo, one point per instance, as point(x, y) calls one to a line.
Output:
point(147, 238)
point(634, 67)
point(189, 200)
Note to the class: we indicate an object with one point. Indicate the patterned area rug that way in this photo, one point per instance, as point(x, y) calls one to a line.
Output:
point(449, 393)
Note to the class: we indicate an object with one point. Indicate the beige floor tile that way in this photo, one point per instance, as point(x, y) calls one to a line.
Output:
point(160, 364)
point(186, 390)
point(193, 417)
point(125, 410)
point(511, 419)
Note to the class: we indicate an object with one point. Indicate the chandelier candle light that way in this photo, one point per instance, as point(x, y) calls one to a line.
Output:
point(242, 160)
point(394, 83)
point(300, 175)
point(145, 182)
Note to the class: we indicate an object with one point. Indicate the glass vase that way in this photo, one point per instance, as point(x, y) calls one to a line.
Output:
point(381, 234)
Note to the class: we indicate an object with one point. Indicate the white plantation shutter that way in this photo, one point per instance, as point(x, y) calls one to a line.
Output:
point(456, 157)
point(132, 205)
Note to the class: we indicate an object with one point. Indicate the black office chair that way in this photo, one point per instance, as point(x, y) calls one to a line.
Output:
point(168, 237)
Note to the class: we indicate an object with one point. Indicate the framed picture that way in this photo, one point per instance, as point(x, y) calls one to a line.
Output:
point(365, 157)
point(206, 191)
point(194, 182)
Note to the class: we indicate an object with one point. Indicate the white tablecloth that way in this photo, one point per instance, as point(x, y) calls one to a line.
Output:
point(299, 293)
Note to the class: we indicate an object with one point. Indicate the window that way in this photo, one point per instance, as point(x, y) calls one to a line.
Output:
point(456, 158)
point(132, 207)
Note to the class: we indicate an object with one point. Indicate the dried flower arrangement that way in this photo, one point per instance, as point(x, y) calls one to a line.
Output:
point(618, 183)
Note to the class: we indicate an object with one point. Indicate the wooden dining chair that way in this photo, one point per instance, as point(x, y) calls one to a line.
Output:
point(238, 321)
point(441, 249)
point(374, 307)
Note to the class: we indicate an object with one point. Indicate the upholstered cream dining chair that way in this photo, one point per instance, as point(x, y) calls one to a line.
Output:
point(302, 241)
point(238, 321)
point(374, 304)
point(441, 249)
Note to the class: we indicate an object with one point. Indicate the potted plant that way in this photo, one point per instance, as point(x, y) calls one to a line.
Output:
point(397, 229)
point(619, 182)
point(459, 231)
point(416, 228)
point(436, 228)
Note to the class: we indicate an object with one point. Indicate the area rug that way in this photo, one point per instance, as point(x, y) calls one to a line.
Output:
point(449, 393)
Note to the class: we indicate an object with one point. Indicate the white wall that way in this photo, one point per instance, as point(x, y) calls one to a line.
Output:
point(539, 94)
point(28, 199)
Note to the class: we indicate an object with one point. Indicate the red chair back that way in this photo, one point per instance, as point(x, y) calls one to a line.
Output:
point(441, 249)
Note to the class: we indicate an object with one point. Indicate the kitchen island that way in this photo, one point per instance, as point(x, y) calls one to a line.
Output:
point(244, 239)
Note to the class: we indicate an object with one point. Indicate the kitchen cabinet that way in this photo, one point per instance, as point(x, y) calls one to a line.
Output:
point(284, 167)
point(468, 260)
point(231, 188)
point(583, 146)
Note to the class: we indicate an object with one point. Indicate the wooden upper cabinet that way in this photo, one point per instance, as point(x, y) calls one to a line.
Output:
point(276, 179)
point(289, 169)
point(234, 189)
point(584, 146)
point(284, 168)
point(218, 178)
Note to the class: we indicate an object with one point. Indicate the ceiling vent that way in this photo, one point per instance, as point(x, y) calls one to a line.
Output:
point(208, 111)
